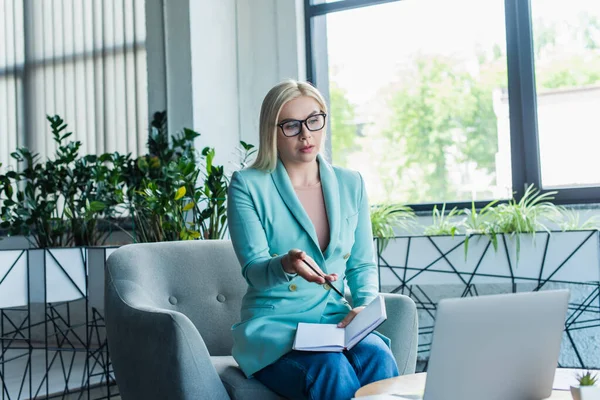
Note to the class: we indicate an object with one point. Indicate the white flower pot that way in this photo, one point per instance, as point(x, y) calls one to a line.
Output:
point(14, 291)
point(65, 274)
point(434, 260)
point(585, 392)
point(432, 268)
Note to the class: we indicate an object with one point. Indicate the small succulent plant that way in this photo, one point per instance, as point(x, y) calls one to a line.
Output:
point(587, 379)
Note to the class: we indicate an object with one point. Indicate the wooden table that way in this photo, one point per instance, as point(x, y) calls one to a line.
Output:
point(415, 384)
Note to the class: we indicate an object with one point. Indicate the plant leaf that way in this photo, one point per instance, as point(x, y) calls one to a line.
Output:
point(97, 206)
point(180, 193)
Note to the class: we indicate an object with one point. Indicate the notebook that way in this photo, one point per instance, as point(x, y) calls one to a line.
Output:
point(328, 337)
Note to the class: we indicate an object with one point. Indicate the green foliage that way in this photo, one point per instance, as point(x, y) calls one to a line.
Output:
point(386, 217)
point(171, 193)
point(165, 199)
point(545, 36)
point(213, 218)
point(441, 108)
point(591, 30)
point(58, 202)
point(480, 223)
point(526, 215)
point(93, 190)
point(556, 68)
point(160, 211)
point(246, 153)
point(435, 104)
point(176, 193)
point(587, 378)
point(577, 70)
point(343, 125)
point(154, 179)
point(34, 211)
point(571, 221)
point(443, 224)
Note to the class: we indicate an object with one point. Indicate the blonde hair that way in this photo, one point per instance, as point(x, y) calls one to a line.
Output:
point(278, 96)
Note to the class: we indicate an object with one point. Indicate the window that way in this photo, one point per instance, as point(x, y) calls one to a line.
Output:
point(566, 43)
point(85, 61)
point(421, 92)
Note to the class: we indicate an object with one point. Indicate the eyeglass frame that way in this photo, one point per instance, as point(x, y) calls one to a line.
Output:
point(303, 122)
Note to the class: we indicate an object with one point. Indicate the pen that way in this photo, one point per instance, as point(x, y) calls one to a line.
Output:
point(328, 283)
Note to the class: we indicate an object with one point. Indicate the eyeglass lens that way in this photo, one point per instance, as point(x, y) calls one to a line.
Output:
point(313, 123)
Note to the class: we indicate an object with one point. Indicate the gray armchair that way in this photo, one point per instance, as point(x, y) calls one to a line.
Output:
point(169, 308)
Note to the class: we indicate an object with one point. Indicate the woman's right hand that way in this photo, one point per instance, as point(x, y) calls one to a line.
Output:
point(293, 264)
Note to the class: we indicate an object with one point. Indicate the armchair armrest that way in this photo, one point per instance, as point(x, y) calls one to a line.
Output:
point(156, 353)
point(402, 327)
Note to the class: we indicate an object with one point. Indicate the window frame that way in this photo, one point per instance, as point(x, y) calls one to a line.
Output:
point(525, 156)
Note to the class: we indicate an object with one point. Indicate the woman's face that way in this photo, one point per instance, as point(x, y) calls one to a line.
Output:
point(295, 115)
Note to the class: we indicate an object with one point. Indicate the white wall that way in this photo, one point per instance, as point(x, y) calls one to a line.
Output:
point(214, 74)
point(222, 58)
point(270, 49)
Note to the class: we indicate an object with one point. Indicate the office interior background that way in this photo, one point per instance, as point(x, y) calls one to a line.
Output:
point(439, 105)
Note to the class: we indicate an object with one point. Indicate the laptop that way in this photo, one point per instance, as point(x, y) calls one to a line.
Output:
point(496, 347)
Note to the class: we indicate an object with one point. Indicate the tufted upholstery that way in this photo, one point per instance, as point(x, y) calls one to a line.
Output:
point(169, 311)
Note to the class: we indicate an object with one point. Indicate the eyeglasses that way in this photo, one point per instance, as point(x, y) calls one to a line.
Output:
point(293, 127)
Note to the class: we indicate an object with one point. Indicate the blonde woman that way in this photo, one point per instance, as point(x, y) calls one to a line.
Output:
point(291, 208)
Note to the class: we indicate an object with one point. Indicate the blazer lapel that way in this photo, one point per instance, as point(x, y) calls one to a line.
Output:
point(331, 194)
point(286, 191)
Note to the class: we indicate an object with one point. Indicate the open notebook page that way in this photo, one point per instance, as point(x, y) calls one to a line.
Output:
point(365, 321)
point(328, 337)
point(319, 337)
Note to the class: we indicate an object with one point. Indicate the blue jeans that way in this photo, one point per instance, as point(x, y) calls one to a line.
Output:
point(331, 376)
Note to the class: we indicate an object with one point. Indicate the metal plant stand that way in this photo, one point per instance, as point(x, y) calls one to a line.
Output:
point(429, 269)
point(53, 340)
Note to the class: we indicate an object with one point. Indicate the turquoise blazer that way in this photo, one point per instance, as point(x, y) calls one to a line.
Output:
point(266, 220)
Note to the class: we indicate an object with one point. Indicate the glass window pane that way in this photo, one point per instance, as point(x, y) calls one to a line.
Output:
point(566, 39)
point(418, 99)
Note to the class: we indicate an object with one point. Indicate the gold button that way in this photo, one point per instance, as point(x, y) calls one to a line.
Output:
point(326, 286)
point(274, 255)
point(293, 287)
point(347, 256)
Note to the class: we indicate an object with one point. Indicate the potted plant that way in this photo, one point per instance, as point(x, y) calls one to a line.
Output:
point(169, 196)
point(57, 203)
point(388, 216)
point(443, 224)
point(175, 192)
point(36, 205)
point(587, 389)
point(162, 212)
point(65, 205)
point(500, 248)
point(488, 245)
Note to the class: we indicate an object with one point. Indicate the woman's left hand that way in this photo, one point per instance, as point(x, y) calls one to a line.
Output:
point(349, 317)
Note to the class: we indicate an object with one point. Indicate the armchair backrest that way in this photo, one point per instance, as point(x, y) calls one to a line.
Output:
point(200, 279)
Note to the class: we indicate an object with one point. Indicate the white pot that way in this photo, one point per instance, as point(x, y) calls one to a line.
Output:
point(571, 256)
point(14, 291)
point(65, 274)
point(585, 392)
